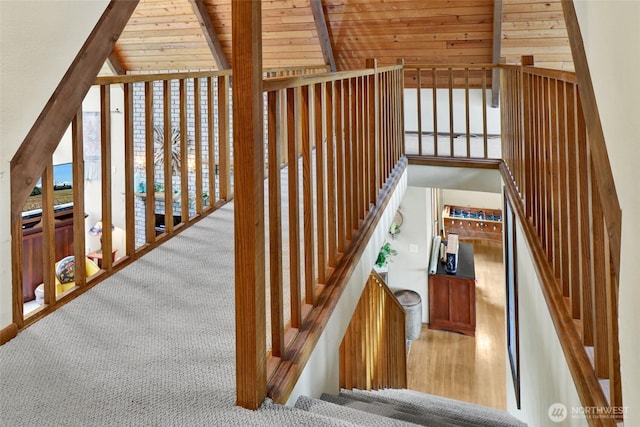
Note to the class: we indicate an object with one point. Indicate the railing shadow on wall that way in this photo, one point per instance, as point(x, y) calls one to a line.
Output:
point(552, 181)
point(110, 145)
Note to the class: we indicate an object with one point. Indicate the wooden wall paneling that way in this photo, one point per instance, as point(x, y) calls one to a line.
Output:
point(275, 227)
point(77, 159)
point(150, 218)
point(251, 382)
point(321, 221)
point(197, 116)
point(307, 197)
point(331, 176)
point(105, 164)
point(223, 138)
point(294, 210)
point(599, 291)
point(211, 146)
point(48, 236)
point(129, 166)
point(167, 156)
point(340, 166)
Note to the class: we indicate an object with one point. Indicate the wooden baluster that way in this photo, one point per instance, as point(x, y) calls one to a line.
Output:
point(331, 177)
point(451, 129)
point(485, 148)
point(307, 197)
point(294, 213)
point(373, 129)
point(48, 236)
point(554, 174)
point(77, 154)
point(419, 108)
point(223, 139)
point(434, 83)
point(211, 147)
point(105, 164)
point(197, 115)
point(184, 153)
point(348, 159)
point(167, 156)
point(466, 111)
point(129, 166)
point(318, 111)
point(275, 226)
point(340, 166)
point(150, 218)
point(566, 260)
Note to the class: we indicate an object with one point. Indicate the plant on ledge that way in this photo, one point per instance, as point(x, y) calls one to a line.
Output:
point(385, 254)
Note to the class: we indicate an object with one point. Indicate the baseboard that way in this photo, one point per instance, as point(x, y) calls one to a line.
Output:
point(8, 333)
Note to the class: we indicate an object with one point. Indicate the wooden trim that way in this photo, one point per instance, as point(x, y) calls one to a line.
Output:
point(142, 78)
point(8, 333)
point(251, 375)
point(323, 34)
point(599, 156)
point(454, 162)
point(41, 141)
point(280, 83)
point(210, 34)
point(286, 375)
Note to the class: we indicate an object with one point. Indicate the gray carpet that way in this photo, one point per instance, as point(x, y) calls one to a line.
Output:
point(151, 346)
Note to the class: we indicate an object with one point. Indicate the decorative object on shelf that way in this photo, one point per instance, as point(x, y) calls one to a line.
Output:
point(158, 151)
point(66, 270)
point(473, 223)
point(385, 254)
point(394, 229)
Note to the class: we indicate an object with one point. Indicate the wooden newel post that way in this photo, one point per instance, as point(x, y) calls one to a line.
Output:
point(249, 203)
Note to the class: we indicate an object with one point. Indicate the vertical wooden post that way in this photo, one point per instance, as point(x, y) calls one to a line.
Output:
point(168, 158)
point(129, 174)
point(374, 151)
point(48, 236)
point(251, 378)
point(78, 198)
point(105, 162)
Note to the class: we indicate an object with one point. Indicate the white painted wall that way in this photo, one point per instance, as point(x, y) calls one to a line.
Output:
point(322, 373)
point(38, 41)
point(483, 180)
point(544, 374)
point(612, 38)
point(409, 269)
point(459, 113)
point(475, 199)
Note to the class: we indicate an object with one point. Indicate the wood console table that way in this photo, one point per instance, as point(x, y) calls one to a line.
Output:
point(452, 297)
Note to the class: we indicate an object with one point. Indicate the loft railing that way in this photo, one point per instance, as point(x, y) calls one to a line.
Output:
point(148, 154)
point(343, 140)
point(373, 352)
point(449, 109)
point(553, 182)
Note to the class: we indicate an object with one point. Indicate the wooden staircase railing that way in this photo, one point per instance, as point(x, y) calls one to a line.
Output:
point(553, 183)
point(373, 352)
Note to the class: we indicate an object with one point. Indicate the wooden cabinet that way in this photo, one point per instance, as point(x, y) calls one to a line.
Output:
point(32, 252)
point(473, 223)
point(452, 297)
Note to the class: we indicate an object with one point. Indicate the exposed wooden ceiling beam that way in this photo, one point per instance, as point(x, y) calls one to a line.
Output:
point(497, 38)
point(43, 138)
point(202, 13)
point(323, 33)
point(114, 63)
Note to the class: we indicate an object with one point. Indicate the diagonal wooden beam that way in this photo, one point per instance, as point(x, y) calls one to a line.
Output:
point(323, 34)
point(113, 61)
point(43, 138)
point(497, 40)
point(202, 13)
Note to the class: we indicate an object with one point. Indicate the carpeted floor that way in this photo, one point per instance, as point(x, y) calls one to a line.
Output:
point(154, 345)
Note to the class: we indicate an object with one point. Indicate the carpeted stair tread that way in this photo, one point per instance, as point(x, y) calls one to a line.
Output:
point(391, 412)
point(350, 416)
point(464, 413)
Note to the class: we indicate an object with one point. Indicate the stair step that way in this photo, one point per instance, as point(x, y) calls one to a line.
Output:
point(458, 412)
point(390, 412)
point(349, 416)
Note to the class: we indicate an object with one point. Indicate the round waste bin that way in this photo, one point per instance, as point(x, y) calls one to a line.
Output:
point(412, 304)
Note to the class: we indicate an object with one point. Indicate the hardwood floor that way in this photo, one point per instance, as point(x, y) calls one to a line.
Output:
point(471, 369)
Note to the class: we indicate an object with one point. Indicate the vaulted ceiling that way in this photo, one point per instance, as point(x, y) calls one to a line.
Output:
point(183, 35)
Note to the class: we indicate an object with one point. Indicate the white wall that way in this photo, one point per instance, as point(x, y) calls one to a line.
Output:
point(38, 41)
point(322, 373)
point(476, 199)
point(612, 38)
point(459, 114)
point(544, 374)
point(484, 180)
point(409, 269)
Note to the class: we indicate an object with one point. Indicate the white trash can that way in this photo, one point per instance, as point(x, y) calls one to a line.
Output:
point(412, 304)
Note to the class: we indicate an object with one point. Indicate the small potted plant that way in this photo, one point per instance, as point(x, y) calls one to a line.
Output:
point(384, 258)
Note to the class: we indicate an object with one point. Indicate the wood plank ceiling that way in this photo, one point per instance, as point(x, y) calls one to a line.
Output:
point(170, 35)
